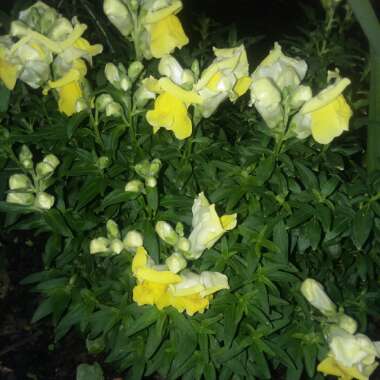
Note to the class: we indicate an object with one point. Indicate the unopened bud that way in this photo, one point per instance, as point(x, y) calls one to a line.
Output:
point(114, 109)
point(143, 168)
point(26, 199)
point(155, 167)
point(176, 262)
point(183, 245)
point(125, 84)
point(135, 69)
point(113, 231)
point(179, 229)
point(52, 160)
point(44, 200)
point(102, 101)
point(25, 154)
point(112, 74)
point(150, 182)
point(301, 95)
point(134, 186)
point(19, 181)
point(195, 68)
point(133, 240)
point(103, 162)
point(99, 245)
point(117, 246)
point(347, 323)
point(81, 105)
point(166, 232)
point(43, 169)
point(314, 292)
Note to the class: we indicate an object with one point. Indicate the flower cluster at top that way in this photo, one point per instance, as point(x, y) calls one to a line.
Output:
point(29, 189)
point(351, 355)
point(46, 50)
point(171, 284)
point(152, 25)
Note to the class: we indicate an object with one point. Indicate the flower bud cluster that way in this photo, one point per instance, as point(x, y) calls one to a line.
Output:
point(29, 189)
point(115, 242)
point(350, 353)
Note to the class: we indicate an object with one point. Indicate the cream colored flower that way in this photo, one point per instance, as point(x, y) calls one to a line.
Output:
point(208, 227)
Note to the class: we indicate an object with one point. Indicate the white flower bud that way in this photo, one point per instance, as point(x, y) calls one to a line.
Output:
point(313, 291)
point(347, 323)
point(133, 240)
point(134, 186)
point(102, 101)
point(44, 169)
point(117, 246)
point(113, 231)
point(114, 109)
point(19, 181)
point(166, 232)
point(135, 69)
point(26, 199)
point(155, 167)
point(99, 245)
point(213, 282)
point(125, 83)
point(301, 95)
point(112, 74)
point(183, 245)
point(44, 200)
point(103, 162)
point(81, 105)
point(176, 262)
point(119, 16)
point(52, 160)
point(143, 168)
point(25, 154)
point(151, 182)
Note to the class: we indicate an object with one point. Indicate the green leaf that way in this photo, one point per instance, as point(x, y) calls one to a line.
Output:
point(89, 372)
point(155, 336)
point(265, 169)
point(313, 232)
point(310, 358)
point(148, 317)
point(118, 196)
point(5, 95)
point(88, 192)
point(57, 223)
point(152, 198)
point(281, 239)
point(150, 241)
point(306, 176)
point(362, 226)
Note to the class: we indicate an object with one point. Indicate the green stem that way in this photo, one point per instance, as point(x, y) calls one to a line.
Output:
point(367, 19)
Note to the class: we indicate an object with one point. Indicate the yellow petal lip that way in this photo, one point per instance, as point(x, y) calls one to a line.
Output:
point(325, 96)
point(159, 277)
point(188, 97)
point(229, 222)
point(329, 366)
point(8, 73)
point(166, 35)
point(331, 120)
point(242, 85)
point(156, 16)
point(171, 114)
point(69, 94)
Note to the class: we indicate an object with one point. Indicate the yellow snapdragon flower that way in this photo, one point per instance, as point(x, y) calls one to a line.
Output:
point(170, 107)
point(329, 366)
point(326, 115)
point(165, 32)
